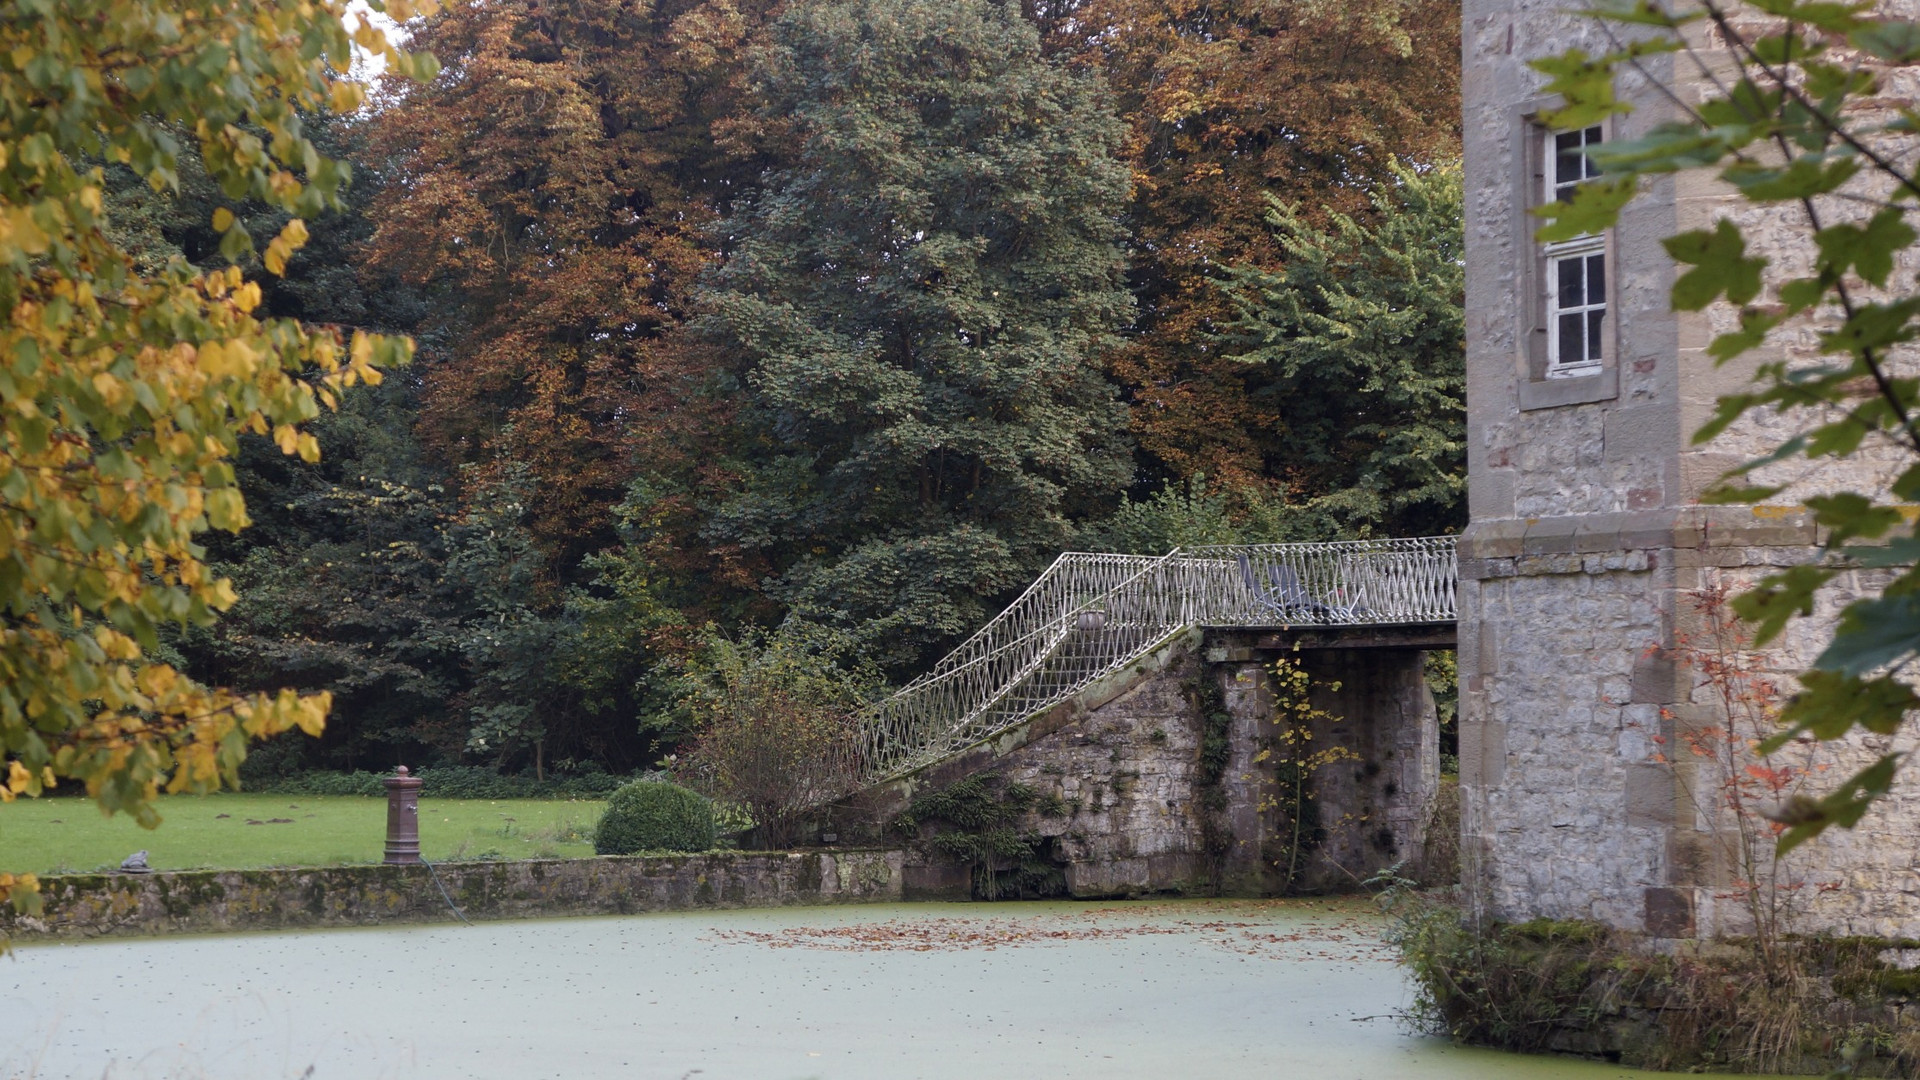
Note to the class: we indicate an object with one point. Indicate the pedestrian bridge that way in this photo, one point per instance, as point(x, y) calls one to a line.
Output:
point(1091, 615)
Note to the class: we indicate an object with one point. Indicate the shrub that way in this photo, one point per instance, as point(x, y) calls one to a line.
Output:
point(1578, 987)
point(774, 732)
point(441, 782)
point(654, 816)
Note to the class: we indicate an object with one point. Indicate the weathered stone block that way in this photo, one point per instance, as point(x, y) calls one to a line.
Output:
point(1668, 913)
point(1658, 679)
point(1650, 795)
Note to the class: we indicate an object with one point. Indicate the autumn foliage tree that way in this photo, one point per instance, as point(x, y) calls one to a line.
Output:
point(550, 192)
point(125, 389)
point(1226, 102)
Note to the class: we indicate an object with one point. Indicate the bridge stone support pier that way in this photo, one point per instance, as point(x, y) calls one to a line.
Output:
point(1176, 775)
point(1352, 792)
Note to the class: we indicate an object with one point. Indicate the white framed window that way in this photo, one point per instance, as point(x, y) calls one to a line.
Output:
point(1576, 269)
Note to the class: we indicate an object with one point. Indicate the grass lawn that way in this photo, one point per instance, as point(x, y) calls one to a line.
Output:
point(247, 831)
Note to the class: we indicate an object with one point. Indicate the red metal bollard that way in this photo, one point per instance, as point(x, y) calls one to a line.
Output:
point(403, 817)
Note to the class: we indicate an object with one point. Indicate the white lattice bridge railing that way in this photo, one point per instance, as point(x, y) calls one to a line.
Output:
point(1091, 614)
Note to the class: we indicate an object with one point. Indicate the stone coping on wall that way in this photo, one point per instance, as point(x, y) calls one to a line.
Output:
point(1710, 534)
point(202, 901)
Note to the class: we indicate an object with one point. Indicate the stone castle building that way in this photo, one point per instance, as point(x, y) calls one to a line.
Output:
point(1582, 569)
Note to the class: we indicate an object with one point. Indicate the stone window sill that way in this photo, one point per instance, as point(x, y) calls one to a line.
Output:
point(1554, 393)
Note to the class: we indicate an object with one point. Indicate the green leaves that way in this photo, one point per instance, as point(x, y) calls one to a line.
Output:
point(1362, 336)
point(926, 410)
point(1807, 818)
point(1831, 703)
point(1585, 84)
point(1832, 17)
point(1894, 40)
point(1802, 178)
point(1595, 207)
point(1873, 633)
point(1721, 267)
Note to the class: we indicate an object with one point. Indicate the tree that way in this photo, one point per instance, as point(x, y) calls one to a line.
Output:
point(914, 300)
point(1225, 102)
point(1795, 125)
point(1362, 340)
point(340, 571)
point(550, 194)
point(342, 590)
point(125, 389)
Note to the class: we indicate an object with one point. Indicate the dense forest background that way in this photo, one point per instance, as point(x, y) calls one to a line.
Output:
point(813, 330)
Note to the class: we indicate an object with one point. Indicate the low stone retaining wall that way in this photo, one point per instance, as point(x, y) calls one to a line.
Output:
point(198, 901)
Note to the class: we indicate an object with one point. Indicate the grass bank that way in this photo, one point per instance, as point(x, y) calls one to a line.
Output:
point(248, 831)
point(1819, 1005)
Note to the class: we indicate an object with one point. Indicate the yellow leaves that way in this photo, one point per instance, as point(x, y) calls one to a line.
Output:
point(157, 680)
point(111, 390)
point(226, 509)
point(402, 10)
point(116, 418)
point(23, 892)
point(115, 645)
point(346, 96)
point(227, 359)
point(293, 236)
point(311, 714)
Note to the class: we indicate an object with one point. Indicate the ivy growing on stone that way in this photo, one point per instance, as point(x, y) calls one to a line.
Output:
point(977, 821)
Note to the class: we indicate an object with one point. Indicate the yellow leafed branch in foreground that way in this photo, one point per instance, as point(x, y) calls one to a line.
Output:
point(123, 394)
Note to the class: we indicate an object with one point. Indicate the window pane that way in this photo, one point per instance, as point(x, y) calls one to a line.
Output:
point(1570, 293)
point(1567, 168)
point(1566, 172)
point(1594, 319)
point(1596, 279)
point(1591, 138)
point(1573, 345)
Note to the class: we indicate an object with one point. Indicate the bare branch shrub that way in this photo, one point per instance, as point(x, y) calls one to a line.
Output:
point(774, 732)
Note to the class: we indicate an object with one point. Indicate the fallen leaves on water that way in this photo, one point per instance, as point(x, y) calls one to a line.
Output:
point(1345, 938)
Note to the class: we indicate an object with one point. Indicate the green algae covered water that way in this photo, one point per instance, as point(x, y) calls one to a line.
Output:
point(1271, 990)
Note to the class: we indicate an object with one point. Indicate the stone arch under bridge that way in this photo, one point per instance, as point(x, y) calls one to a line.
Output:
point(1122, 714)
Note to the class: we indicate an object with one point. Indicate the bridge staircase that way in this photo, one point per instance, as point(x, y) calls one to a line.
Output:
point(1090, 615)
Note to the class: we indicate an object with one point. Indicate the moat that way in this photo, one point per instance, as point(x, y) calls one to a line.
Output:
point(1230, 989)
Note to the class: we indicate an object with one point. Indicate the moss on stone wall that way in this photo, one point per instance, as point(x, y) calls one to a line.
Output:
point(196, 901)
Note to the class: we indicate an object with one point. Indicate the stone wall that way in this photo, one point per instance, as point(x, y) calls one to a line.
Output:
point(1579, 706)
point(1587, 552)
point(90, 905)
point(1131, 803)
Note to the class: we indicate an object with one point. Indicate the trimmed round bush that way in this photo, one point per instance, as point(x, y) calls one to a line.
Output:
point(654, 816)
